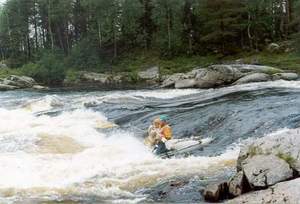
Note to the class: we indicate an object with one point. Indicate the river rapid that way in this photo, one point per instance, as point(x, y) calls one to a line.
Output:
point(87, 146)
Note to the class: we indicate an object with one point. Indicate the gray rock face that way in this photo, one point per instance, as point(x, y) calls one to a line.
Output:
point(217, 75)
point(238, 185)
point(265, 170)
point(249, 68)
point(285, 192)
point(149, 74)
point(95, 77)
point(171, 80)
point(185, 83)
point(286, 76)
point(256, 77)
point(4, 87)
point(20, 81)
point(284, 144)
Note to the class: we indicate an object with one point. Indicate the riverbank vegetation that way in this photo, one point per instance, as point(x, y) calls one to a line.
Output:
point(52, 39)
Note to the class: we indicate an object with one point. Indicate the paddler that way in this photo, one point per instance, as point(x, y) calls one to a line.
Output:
point(165, 134)
point(153, 133)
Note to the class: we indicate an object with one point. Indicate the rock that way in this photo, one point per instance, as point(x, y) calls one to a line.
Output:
point(39, 87)
point(285, 192)
point(284, 144)
point(256, 77)
point(217, 75)
point(286, 76)
point(238, 185)
point(216, 192)
point(185, 83)
point(95, 77)
point(19, 81)
point(171, 80)
point(246, 68)
point(273, 47)
point(4, 87)
point(149, 74)
point(266, 170)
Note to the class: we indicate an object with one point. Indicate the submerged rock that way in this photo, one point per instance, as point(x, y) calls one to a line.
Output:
point(262, 171)
point(256, 77)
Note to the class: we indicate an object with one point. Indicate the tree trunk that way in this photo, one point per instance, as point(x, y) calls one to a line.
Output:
point(169, 29)
point(49, 25)
point(35, 26)
point(99, 34)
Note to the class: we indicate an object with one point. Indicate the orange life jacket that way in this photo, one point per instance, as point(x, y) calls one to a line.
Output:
point(166, 132)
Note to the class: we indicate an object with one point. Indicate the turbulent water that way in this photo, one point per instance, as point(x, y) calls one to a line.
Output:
point(86, 147)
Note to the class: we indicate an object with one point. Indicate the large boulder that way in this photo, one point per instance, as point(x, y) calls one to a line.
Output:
point(149, 74)
point(283, 144)
point(20, 81)
point(286, 76)
point(256, 77)
point(273, 47)
point(285, 192)
point(217, 75)
point(262, 171)
point(185, 83)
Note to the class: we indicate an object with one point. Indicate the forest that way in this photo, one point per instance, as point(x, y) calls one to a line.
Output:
point(47, 38)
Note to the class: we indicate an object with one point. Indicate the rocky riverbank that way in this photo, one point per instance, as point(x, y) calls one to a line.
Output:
point(268, 171)
point(210, 77)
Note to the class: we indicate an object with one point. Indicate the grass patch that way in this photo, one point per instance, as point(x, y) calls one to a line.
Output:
point(254, 150)
point(5, 72)
point(287, 157)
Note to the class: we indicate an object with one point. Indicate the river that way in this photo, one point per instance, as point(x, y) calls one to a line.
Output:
point(64, 146)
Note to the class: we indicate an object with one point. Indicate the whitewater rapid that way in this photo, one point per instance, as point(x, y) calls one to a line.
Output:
point(54, 147)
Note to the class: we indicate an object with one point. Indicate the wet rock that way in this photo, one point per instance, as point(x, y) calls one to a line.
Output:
point(216, 192)
point(149, 74)
point(20, 81)
point(286, 76)
point(217, 75)
point(284, 192)
point(185, 83)
point(265, 170)
point(283, 144)
point(256, 77)
point(238, 185)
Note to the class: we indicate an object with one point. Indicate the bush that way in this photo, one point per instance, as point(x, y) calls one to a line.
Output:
point(48, 70)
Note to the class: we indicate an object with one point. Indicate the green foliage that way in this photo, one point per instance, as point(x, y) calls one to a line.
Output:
point(49, 69)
